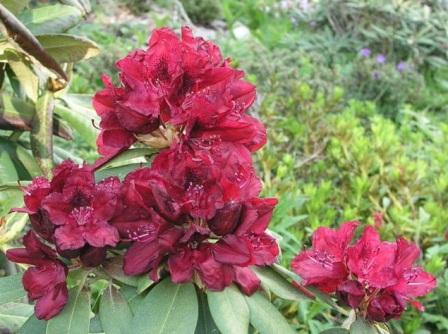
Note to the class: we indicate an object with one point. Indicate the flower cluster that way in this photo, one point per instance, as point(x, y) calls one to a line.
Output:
point(177, 89)
point(71, 214)
point(374, 277)
point(194, 214)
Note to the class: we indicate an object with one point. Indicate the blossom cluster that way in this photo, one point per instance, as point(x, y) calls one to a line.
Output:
point(374, 277)
point(195, 214)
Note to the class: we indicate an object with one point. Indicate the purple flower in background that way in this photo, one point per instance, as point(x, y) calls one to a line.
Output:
point(365, 52)
point(402, 66)
point(380, 58)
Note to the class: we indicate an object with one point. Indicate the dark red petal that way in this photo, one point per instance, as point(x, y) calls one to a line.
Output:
point(320, 270)
point(415, 282)
point(407, 254)
point(226, 219)
point(256, 216)
point(92, 256)
point(69, 237)
point(57, 208)
point(52, 303)
point(233, 250)
point(265, 249)
point(141, 257)
point(180, 266)
point(246, 279)
point(101, 234)
point(334, 241)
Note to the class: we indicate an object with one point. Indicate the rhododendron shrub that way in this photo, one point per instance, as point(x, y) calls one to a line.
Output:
point(193, 215)
point(376, 278)
point(186, 230)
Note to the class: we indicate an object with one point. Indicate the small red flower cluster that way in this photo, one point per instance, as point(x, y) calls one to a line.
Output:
point(180, 88)
point(194, 214)
point(71, 213)
point(374, 277)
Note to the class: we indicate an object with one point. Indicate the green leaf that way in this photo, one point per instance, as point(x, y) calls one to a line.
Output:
point(277, 284)
point(136, 155)
point(206, 324)
point(41, 139)
point(79, 121)
point(265, 317)
point(115, 313)
point(361, 326)
point(24, 163)
point(68, 48)
point(114, 268)
point(11, 288)
point(19, 34)
point(143, 283)
point(75, 317)
point(168, 308)
point(336, 330)
point(14, 315)
point(15, 6)
point(33, 326)
point(229, 310)
point(51, 19)
point(25, 75)
point(121, 171)
point(17, 114)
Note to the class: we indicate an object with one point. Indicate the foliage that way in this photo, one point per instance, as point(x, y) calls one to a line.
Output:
point(202, 12)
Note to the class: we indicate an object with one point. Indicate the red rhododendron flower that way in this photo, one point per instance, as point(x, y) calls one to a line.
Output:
point(374, 277)
point(178, 85)
point(196, 211)
point(72, 211)
point(324, 265)
point(45, 281)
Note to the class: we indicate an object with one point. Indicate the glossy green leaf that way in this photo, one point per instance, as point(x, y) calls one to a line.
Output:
point(23, 162)
point(19, 34)
point(229, 310)
point(80, 122)
point(136, 155)
point(33, 326)
point(68, 48)
point(51, 19)
point(75, 317)
point(41, 139)
point(265, 317)
point(21, 67)
point(168, 308)
point(11, 288)
point(277, 284)
point(361, 326)
point(14, 315)
point(15, 6)
point(121, 171)
point(143, 283)
point(206, 324)
point(115, 313)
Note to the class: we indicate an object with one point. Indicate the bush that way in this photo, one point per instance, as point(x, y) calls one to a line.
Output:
point(203, 12)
